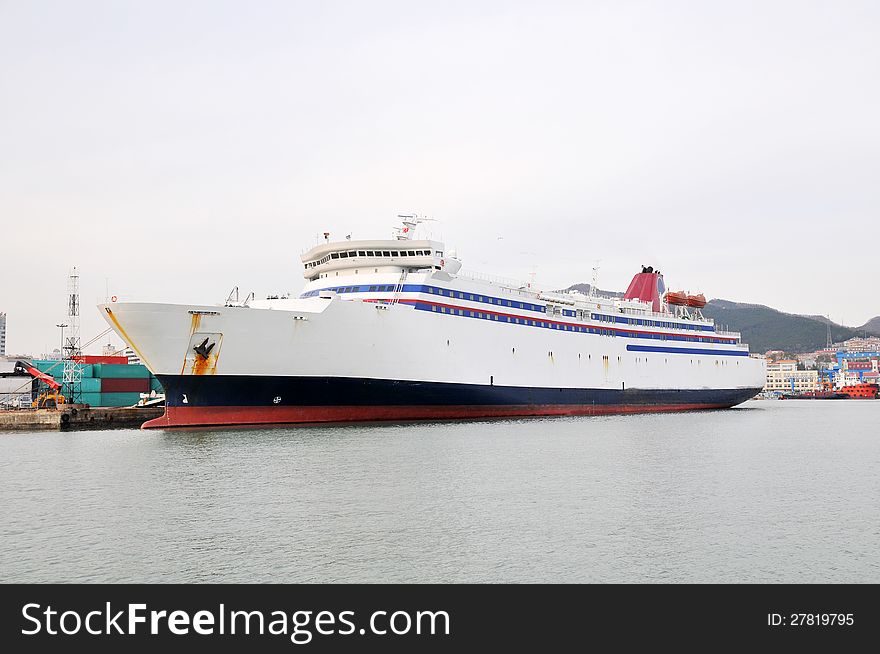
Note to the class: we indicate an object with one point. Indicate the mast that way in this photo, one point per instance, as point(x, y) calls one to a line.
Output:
point(72, 369)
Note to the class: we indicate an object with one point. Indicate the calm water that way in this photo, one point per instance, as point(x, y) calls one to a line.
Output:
point(771, 491)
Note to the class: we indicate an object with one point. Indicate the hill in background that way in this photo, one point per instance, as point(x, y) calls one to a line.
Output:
point(765, 328)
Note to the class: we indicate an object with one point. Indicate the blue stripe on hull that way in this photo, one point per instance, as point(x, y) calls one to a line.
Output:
point(687, 350)
point(246, 390)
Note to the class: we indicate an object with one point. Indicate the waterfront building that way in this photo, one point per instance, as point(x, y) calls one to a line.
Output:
point(856, 344)
point(784, 377)
point(2, 334)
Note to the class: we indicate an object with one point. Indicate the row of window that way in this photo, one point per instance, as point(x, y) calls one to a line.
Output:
point(350, 254)
point(643, 322)
point(471, 297)
point(468, 313)
point(527, 306)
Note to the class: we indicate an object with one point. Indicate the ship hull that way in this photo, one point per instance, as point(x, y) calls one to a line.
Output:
point(205, 401)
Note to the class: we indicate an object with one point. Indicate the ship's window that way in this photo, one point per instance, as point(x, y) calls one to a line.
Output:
point(439, 253)
point(334, 255)
point(411, 253)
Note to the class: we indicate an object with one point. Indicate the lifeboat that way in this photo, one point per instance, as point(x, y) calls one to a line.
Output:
point(696, 301)
point(677, 297)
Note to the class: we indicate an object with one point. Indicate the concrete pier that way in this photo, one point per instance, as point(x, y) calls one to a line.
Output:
point(76, 417)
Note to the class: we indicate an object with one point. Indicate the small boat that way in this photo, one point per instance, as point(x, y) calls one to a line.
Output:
point(862, 391)
point(679, 298)
point(696, 301)
point(814, 395)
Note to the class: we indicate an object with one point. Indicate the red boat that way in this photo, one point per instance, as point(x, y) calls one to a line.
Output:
point(677, 297)
point(862, 391)
point(696, 301)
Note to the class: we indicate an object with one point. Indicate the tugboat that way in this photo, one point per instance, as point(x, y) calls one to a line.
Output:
point(863, 391)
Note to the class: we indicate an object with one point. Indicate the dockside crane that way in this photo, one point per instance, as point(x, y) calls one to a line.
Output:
point(49, 399)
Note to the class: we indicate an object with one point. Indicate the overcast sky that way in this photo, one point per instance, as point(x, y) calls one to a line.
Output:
point(172, 150)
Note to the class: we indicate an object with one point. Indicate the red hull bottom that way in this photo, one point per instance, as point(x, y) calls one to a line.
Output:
point(246, 415)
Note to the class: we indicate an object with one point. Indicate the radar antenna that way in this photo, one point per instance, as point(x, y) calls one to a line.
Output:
point(595, 283)
point(408, 227)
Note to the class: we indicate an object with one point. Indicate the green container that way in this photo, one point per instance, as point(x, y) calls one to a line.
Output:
point(156, 385)
point(119, 399)
point(88, 385)
point(93, 399)
point(120, 370)
point(56, 368)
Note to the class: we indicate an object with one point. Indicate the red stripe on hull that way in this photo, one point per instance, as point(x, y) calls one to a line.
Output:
point(246, 415)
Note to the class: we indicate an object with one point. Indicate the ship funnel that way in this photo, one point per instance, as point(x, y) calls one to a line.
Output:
point(646, 286)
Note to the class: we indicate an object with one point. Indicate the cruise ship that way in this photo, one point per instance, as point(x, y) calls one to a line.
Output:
point(394, 329)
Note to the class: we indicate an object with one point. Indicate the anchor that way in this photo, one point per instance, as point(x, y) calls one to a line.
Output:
point(202, 350)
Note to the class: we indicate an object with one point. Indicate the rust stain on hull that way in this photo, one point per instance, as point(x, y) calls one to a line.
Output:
point(203, 352)
point(203, 366)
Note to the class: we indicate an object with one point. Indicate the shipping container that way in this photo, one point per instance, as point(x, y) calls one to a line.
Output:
point(103, 370)
point(92, 399)
point(87, 385)
point(16, 384)
point(49, 366)
point(124, 384)
point(111, 399)
point(156, 385)
point(56, 368)
point(119, 399)
point(92, 358)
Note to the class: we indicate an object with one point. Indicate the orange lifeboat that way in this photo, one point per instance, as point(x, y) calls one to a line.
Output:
point(696, 301)
point(677, 297)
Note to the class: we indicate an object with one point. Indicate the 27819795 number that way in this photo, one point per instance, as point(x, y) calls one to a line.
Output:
point(810, 619)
